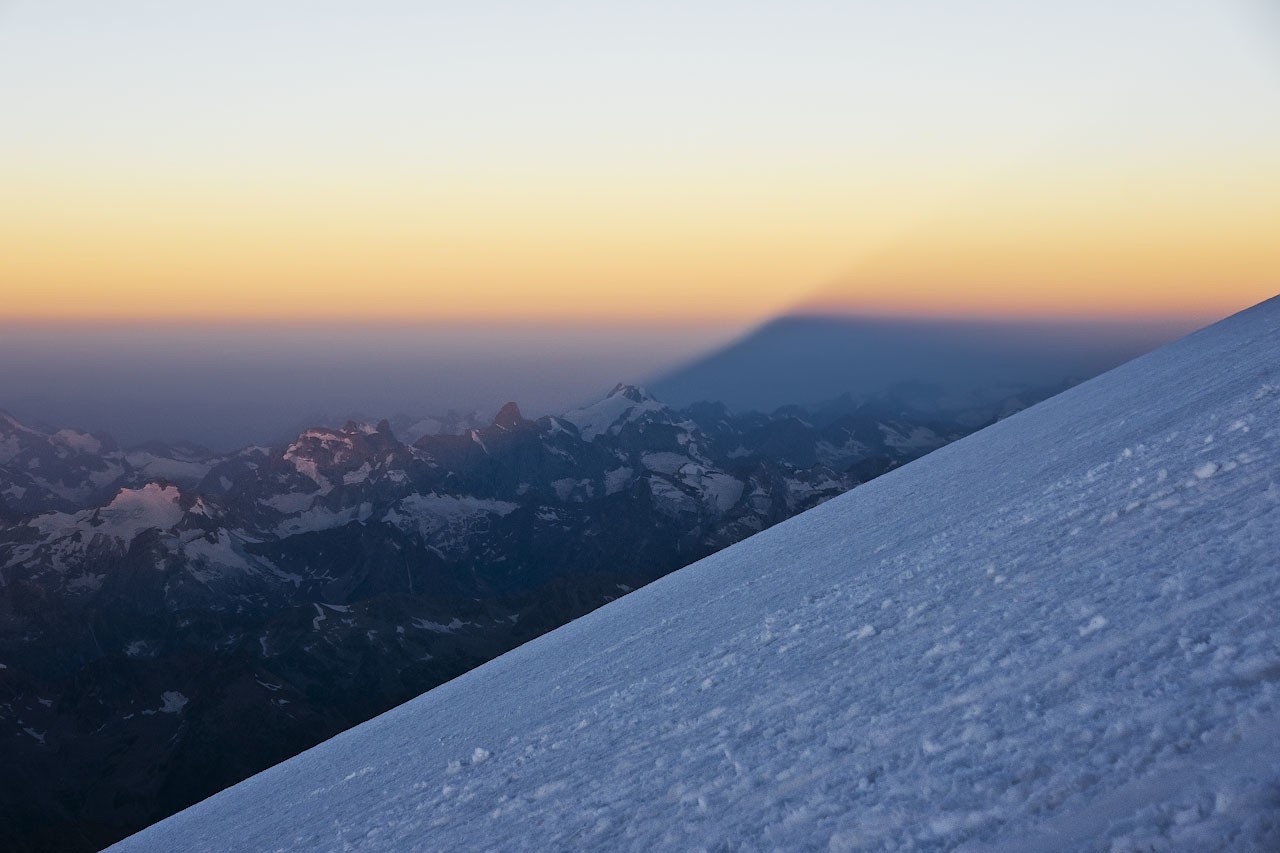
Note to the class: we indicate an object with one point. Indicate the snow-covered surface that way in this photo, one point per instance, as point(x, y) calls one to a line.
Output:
point(431, 513)
point(76, 441)
point(720, 490)
point(172, 702)
point(1059, 633)
point(664, 463)
point(289, 502)
point(917, 438)
point(617, 480)
point(183, 471)
point(322, 518)
point(669, 499)
point(130, 512)
point(219, 549)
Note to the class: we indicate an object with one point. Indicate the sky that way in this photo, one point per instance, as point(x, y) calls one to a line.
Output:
point(220, 219)
point(604, 163)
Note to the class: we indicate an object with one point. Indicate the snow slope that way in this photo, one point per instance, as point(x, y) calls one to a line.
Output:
point(1058, 633)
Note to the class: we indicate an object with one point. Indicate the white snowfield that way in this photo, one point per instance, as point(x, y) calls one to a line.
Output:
point(1062, 632)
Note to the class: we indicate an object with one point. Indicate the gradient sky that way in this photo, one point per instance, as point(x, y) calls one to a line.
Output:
point(686, 161)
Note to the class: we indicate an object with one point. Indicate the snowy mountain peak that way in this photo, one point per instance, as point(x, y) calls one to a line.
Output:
point(154, 505)
point(634, 393)
point(75, 441)
point(623, 404)
point(64, 441)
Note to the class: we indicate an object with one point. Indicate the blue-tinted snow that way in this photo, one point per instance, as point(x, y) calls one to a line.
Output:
point(1058, 633)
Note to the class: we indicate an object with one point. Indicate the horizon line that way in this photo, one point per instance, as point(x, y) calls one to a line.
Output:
point(589, 322)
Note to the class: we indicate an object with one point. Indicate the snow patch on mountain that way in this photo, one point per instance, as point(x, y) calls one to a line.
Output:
point(65, 537)
point(669, 498)
point(440, 627)
point(311, 443)
point(617, 480)
point(182, 471)
point(135, 510)
point(76, 441)
point(832, 454)
point(220, 550)
point(570, 488)
point(914, 438)
point(172, 702)
point(320, 517)
point(430, 513)
point(289, 502)
point(359, 475)
point(664, 463)
point(10, 447)
point(720, 490)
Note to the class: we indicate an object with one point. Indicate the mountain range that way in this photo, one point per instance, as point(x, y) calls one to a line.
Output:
point(174, 620)
point(1057, 633)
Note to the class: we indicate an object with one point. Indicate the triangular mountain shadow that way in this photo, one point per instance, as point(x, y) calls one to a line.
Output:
point(810, 359)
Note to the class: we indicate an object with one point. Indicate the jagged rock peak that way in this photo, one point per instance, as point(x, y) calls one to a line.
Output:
point(509, 417)
point(634, 393)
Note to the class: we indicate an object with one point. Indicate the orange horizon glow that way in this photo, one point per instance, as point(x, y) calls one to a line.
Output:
point(1180, 248)
point(636, 166)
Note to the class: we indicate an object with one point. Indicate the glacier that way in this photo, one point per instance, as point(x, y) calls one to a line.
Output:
point(1058, 633)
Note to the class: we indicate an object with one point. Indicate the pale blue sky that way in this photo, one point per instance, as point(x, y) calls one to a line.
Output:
point(278, 81)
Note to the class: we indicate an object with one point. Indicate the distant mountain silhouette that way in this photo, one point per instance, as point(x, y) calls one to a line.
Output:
point(804, 359)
